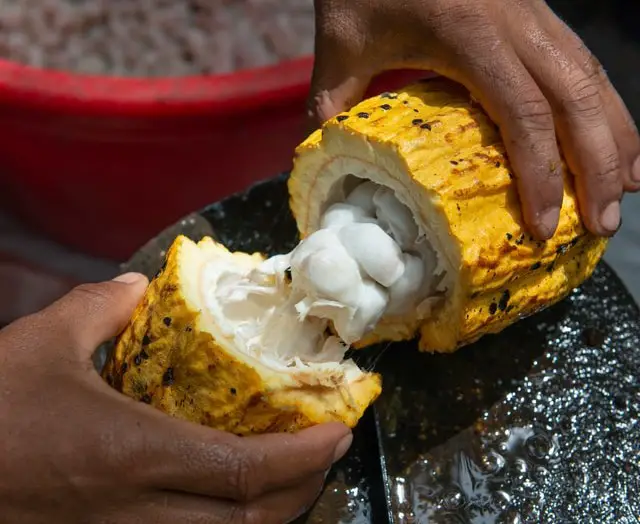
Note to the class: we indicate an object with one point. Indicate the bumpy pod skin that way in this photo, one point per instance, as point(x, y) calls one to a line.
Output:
point(168, 357)
point(433, 140)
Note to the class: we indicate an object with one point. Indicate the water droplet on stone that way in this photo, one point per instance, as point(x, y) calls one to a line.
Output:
point(520, 465)
point(530, 489)
point(452, 500)
point(540, 474)
point(538, 446)
point(492, 462)
point(510, 516)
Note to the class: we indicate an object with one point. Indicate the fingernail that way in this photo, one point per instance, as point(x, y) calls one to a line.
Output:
point(129, 278)
point(548, 222)
point(610, 217)
point(342, 447)
point(635, 170)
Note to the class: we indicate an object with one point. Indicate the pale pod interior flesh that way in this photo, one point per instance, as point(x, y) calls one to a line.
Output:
point(367, 261)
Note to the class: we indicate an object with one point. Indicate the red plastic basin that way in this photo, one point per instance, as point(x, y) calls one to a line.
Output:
point(102, 164)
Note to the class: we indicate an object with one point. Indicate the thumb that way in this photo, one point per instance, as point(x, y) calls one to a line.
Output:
point(335, 87)
point(90, 314)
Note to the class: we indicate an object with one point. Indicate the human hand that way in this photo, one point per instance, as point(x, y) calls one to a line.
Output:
point(531, 73)
point(73, 450)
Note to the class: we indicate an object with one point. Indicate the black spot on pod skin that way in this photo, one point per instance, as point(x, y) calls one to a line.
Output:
point(363, 115)
point(167, 378)
point(124, 367)
point(146, 398)
point(341, 118)
point(426, 126)
point(233, 391)
point(493, 308)
point(504, 300)
point(146, 340)
point(167, 321)
point(562, 249)
point(386, 107)
point(140, 357)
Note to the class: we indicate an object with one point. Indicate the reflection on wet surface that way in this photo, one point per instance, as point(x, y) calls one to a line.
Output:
point(560, 443)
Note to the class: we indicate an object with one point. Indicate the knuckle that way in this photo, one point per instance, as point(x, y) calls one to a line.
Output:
point(454, 14)
point(583, 97)
point(248, 515)
point(117, 451)
point(552, 176)
point(597, 71)
point(243, 479)
point(590, 63)
point(235, 515)
point(533, 112)
point(609, 169)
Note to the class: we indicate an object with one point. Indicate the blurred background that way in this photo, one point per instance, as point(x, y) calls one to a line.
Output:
point(50, 242)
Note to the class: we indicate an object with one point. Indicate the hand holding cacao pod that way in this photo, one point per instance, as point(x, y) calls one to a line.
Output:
point(532, 74)
point(75, 451)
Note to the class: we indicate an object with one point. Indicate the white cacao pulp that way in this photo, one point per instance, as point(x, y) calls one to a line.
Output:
point(367, 261)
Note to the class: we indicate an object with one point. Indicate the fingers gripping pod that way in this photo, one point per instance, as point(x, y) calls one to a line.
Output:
point(425, 167)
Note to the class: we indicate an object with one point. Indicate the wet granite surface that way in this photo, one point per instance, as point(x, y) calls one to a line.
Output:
point(537, 424)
